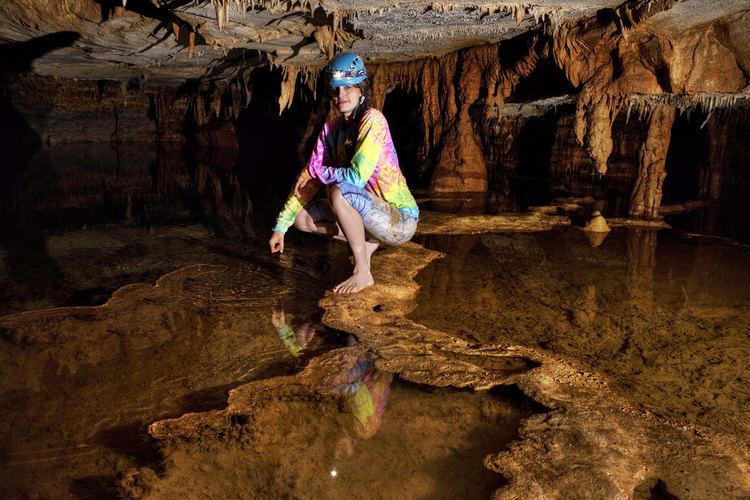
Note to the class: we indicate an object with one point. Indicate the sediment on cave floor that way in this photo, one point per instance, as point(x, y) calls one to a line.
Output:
point(569, 319)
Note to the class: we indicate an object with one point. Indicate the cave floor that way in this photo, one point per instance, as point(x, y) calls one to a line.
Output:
point(180, 359)
point(663, 320)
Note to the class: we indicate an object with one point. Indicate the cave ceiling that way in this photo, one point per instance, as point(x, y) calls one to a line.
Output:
point(174, 40)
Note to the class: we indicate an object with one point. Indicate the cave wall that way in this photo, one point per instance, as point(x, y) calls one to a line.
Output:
point(706, 157)
point(68, 111)
point(632, 77)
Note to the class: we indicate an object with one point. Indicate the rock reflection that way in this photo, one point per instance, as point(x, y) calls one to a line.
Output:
point(664, 323)
point(84, 220)
point(641, 254)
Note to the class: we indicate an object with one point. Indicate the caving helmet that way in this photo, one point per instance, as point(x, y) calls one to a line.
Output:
point(346, 69)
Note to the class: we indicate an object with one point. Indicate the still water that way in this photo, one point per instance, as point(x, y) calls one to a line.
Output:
point(134, 290)
point(136, 286)
point(663, 317)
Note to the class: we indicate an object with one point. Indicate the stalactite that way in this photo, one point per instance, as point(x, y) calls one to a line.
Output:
point(220, 7)
point(221, 99)
point(606, 60)
point(288, 87)
point(324, 38)
point(449, 138)
point(191, 44)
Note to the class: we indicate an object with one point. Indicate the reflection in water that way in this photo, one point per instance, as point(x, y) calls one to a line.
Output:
point(79, 385)
point(366, 391)
point(294, 339)
point(85, 219)
point(641, 254)
point(430, 443)
point(722, 221)
point(365, 388)
point(662, 317)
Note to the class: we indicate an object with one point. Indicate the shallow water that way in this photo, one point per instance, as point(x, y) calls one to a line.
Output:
point(429, 443)
point(663, 317)
point(193, 308)
point(80, 385)
point(137, 287)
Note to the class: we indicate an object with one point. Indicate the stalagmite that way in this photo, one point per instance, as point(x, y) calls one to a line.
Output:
point(647, 192)
point(597, 224)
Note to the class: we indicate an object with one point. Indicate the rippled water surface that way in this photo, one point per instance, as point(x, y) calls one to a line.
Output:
point(133, 292)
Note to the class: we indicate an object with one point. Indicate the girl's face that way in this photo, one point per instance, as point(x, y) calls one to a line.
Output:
point(346, 98)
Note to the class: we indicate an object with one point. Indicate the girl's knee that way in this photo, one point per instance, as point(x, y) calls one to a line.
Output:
point(334, 193)
point(304, 221)
point(337, 198)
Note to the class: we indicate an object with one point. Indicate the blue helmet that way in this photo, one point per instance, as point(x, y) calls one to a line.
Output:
point(346, 69)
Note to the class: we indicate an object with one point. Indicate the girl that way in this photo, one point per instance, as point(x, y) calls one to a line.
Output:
point(368, 200)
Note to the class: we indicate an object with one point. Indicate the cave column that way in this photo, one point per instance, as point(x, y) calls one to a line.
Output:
point(645, 199)
point(460, 163)
point(714, 173)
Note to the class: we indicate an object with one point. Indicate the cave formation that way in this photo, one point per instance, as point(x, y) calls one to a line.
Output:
point(636, 110)
point(632, 61)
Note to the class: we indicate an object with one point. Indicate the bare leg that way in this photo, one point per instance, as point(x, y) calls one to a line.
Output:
point(371, 245)
point(351, 225)
point(305, 222)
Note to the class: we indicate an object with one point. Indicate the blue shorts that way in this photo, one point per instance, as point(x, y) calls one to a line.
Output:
point(382, 221)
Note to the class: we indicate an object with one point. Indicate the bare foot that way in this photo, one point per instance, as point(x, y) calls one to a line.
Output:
point(355, 283)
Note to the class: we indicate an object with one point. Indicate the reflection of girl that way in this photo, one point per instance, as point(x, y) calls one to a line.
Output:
point(354, 155)
point(294, 340)
point(366, 391)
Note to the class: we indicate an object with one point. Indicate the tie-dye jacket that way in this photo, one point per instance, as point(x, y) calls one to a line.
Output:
point(374, 167)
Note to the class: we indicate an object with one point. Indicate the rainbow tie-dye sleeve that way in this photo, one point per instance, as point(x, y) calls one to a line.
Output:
point(371, 139)
point(293, 203)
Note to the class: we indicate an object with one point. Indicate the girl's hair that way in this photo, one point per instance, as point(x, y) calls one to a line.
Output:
point(359, 112)
point(361, 109)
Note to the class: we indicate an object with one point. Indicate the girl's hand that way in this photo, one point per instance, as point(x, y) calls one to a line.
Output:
point(277, 242)
point(277, 318)
point(299, 184)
